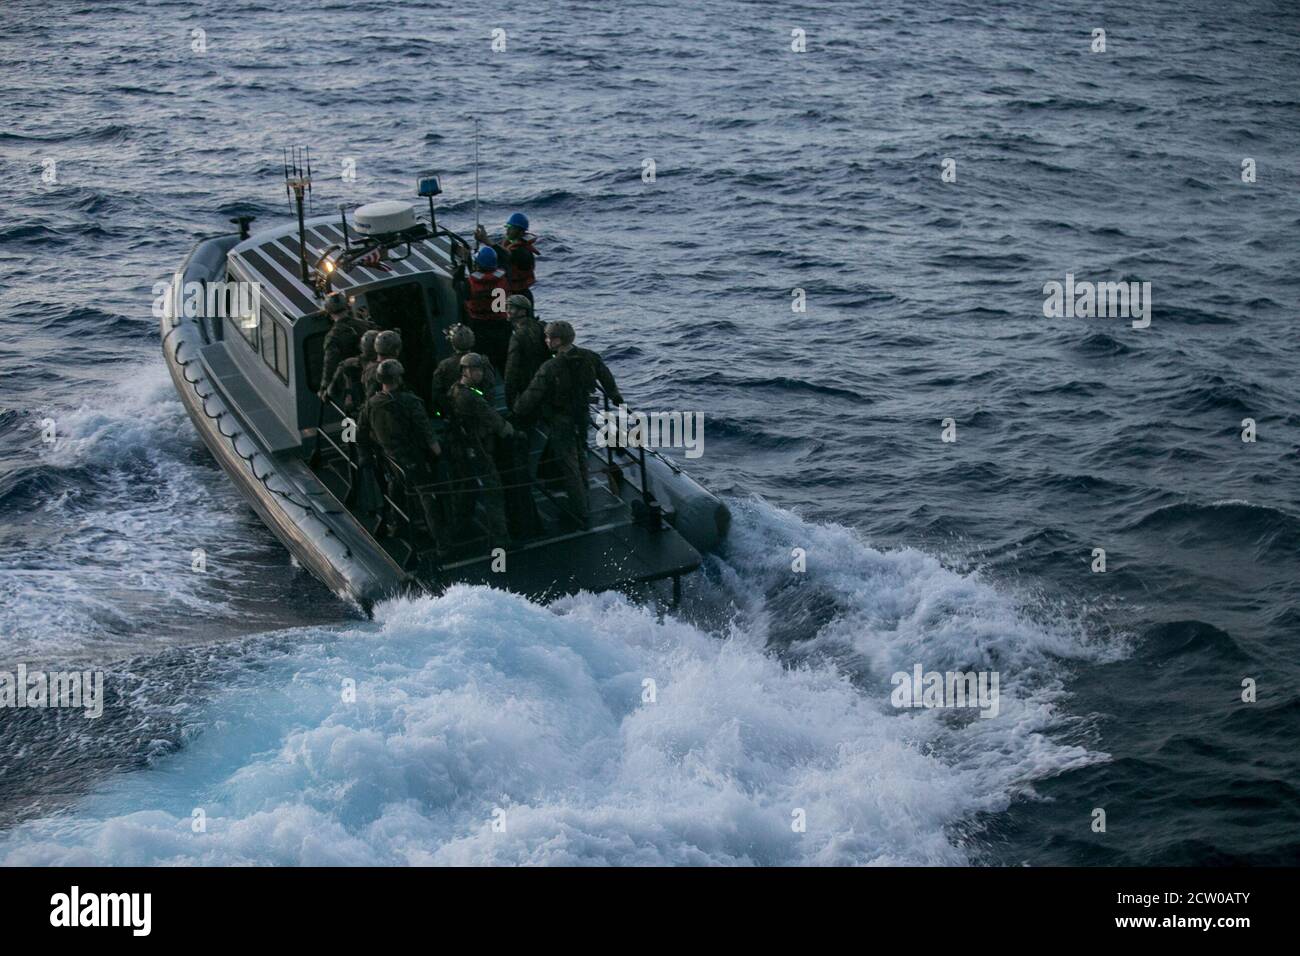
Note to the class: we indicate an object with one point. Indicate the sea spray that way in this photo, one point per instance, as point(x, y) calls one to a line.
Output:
point(482, 728)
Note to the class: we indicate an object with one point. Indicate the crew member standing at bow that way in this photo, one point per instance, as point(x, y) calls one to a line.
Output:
point(558, 394)
point(485, 307)
point(516, 253)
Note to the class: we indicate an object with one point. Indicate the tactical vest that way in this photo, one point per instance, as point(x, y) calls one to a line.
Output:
point(397, 429)
point(583, 379)
point(446, 374)
point(370, 378)
point(345, 335)
point(347, 380)
point(473, 432)
point(574, 381)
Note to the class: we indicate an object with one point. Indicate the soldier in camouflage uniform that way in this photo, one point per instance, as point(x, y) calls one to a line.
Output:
point(448, 372)
point(388, 345)
point(342, 341)
point(394, 421)
point(347, 388)
point(558, 394)
point(481, 426)
point(527, 352)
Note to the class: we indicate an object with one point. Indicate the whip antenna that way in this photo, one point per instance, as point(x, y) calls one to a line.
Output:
point(297, 182)
point(476, 175)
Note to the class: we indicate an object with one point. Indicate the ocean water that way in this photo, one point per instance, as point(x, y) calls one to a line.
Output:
point(476, 727)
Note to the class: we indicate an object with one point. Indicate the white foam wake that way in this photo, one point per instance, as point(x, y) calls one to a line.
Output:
point(110, 551)
point(480, 707)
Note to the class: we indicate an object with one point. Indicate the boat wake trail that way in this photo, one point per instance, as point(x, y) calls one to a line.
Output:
point(478, 727)
point(102, 525)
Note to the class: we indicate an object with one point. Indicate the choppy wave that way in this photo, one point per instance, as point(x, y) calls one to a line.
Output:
point(597, 732)
point(776, 172)
point(101, 525)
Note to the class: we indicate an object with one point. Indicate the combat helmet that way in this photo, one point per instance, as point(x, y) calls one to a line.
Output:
point(472, 360)
point(368, 344)
point(560, 330)
point(336, 303)
point(521, 302)
point(461, 337)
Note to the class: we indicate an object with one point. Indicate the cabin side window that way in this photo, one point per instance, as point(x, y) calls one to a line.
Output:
point(246, 321)
point(281, 353)
point(275, 349)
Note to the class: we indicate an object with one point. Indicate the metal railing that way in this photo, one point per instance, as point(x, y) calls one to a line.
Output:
point(389, 473)
point(351, 477)
point(636, 452)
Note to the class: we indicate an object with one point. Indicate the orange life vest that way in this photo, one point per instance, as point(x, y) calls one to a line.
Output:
point(519, 279)
point(482, 286)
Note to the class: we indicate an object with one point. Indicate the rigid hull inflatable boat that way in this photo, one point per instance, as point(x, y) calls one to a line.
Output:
point(249, 376)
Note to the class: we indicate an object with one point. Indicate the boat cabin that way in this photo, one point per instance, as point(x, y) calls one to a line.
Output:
point(275, 358)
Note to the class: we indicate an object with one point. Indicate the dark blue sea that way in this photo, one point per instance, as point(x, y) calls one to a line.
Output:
point(127, 135)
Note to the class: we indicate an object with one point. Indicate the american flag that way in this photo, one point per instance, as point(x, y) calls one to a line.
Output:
point(374, 259)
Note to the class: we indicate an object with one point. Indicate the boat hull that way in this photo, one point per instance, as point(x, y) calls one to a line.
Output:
point(280, 488)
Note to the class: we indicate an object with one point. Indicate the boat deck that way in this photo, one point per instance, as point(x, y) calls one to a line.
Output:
point(604, 558)
point(614, 551)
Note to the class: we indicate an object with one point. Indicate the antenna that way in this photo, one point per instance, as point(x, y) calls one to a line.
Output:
point(297, 182)
point(476, 178)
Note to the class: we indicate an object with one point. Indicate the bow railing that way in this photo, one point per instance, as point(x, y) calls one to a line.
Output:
point(636, 452)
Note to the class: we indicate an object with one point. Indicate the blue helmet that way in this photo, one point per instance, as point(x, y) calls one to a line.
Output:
point(518, 219)
point(486, 257)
